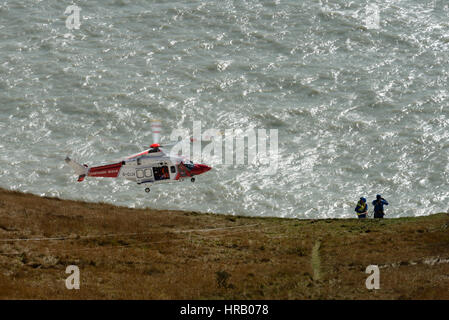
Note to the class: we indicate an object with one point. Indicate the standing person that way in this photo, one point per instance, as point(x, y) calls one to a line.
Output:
point(379, 206)
point(361, 208)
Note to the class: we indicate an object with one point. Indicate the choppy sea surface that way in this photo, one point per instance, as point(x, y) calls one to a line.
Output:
point(360, 109)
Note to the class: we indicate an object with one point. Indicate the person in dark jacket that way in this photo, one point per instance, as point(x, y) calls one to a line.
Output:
point(379, 206)
point(361, 208)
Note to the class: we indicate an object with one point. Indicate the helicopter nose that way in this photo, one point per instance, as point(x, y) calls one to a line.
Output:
point(200, 168)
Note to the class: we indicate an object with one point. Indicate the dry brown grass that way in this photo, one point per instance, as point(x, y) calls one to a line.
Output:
point(127, 253)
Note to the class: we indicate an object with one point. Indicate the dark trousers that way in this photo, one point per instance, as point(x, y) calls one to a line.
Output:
point(362, 216)
point(378, 214)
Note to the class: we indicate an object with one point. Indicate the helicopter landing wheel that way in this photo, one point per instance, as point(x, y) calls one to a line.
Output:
point(193, 179)
point(147, 190)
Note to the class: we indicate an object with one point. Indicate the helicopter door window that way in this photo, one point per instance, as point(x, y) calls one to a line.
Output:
point(148, 173)
point(173, 169)
point(161, 173)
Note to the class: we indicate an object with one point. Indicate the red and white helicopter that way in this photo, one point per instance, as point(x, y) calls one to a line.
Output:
point(152, 166)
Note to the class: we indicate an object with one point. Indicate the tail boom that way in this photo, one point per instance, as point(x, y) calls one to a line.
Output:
point(107, 171)
point(83, 171)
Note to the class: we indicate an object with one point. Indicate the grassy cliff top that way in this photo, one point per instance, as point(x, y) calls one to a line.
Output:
point(160, 254)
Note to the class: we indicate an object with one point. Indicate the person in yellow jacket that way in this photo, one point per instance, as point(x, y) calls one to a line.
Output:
point(362, 208)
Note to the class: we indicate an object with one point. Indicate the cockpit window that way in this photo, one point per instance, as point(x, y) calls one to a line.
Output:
point(189, 164)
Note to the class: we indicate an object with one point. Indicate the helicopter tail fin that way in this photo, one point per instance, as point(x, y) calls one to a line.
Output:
point(80, 170)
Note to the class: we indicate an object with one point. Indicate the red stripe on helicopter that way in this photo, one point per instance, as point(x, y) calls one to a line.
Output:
point(108, 171)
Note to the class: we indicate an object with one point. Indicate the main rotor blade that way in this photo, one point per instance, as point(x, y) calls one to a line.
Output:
point(156, 128)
